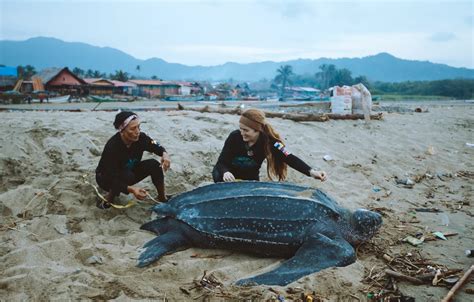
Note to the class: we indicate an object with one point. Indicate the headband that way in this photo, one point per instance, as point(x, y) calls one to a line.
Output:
point(126, 122)
point(251, 123)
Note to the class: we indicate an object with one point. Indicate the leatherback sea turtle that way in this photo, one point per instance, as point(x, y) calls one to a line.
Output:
point(265, 218)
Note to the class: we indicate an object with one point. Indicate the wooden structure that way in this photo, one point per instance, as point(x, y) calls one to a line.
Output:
point(156, 88)
point(62, 81)
point(99, 86)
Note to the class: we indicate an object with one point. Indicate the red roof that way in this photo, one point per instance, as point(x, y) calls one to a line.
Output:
point(123, 84)
point(153, 82)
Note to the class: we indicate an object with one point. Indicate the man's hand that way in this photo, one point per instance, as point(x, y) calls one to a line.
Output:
point(165, 162)
point(139, 193)
point(318, 174)
point(228, 177)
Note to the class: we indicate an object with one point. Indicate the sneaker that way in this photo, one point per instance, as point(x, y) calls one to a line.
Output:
point(102, 204)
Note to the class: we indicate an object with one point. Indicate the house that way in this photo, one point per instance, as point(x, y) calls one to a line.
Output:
point(156, 88)
point(303, 91)
point(125, 87)
point(188, 88)
point(100, 86)
point(8, 77)
point(62, 81)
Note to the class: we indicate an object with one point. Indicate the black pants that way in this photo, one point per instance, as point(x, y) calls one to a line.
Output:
point(143, 169)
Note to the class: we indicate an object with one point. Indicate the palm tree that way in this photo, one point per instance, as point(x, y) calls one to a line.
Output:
point(120, 75)
point(97, 74)
point(138, 68)
point(77, 71)
point(283, 77)
point(326, 76)
point(26, 72)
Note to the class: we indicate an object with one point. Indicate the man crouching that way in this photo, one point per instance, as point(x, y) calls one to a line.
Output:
point(121, 166)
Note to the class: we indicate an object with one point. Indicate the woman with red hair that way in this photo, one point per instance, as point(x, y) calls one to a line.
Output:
point(256, 140)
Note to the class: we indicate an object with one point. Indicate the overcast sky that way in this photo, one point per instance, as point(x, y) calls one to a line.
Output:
point(211, 32)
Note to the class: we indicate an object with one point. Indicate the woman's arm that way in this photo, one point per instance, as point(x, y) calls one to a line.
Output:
point(225, 158)
point(280, 150)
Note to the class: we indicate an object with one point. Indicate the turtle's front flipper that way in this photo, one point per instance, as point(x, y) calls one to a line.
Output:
point(317, 253)
point(161, 245)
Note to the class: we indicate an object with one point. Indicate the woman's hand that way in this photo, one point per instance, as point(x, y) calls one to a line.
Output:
point(318, 174)
point(165, 162)
point(139, 193)
point(228, 177)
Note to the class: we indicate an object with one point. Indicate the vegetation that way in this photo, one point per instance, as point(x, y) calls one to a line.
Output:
point(283, 77)
point(120, 75)
point(77, 71)
point(330, 76)
point(456, 88)
point(25, 72)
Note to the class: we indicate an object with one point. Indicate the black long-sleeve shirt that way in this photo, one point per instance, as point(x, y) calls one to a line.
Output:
point(116, 157)
point(244, 162)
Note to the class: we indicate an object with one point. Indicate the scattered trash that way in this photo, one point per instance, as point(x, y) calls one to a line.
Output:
point(440, 235)
point(442, 176)
point(376, 189)
point(470, 145)
point(407, 182)
point(445, 234)
point(469, 253)
point(430, 151)
point(444, 219)
point(414, 241)
point(61, 229)
point(281, 298)
point(308, 298)
point(327, 157)
point(94, 260)
point(451, 280)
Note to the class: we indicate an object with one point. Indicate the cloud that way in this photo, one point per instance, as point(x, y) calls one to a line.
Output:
point(442, 37)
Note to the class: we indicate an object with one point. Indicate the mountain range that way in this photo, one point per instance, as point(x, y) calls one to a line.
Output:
point(43, 52)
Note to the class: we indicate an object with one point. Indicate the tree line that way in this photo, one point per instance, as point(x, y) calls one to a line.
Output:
point(27, 72)
point(329, 76)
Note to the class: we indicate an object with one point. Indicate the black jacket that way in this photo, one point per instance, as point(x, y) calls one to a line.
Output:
point(244, 162)
point(116, 157)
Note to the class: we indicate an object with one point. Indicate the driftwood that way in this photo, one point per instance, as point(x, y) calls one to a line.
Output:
point(458, 285)
point(333, 116)
point(402, 276)
point(297, 117)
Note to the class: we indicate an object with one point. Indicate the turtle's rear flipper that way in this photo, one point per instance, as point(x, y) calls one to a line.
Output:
point(166, 243)
point(317, 253)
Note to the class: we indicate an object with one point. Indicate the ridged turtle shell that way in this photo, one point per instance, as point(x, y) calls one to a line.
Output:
point(253, 210)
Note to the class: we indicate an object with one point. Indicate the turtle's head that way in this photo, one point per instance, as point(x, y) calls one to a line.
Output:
point(364, 224)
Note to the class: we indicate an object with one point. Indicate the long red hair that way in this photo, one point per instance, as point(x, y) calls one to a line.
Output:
point(275, 167)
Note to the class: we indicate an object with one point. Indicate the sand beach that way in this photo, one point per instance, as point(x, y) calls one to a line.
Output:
point(56, 245)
